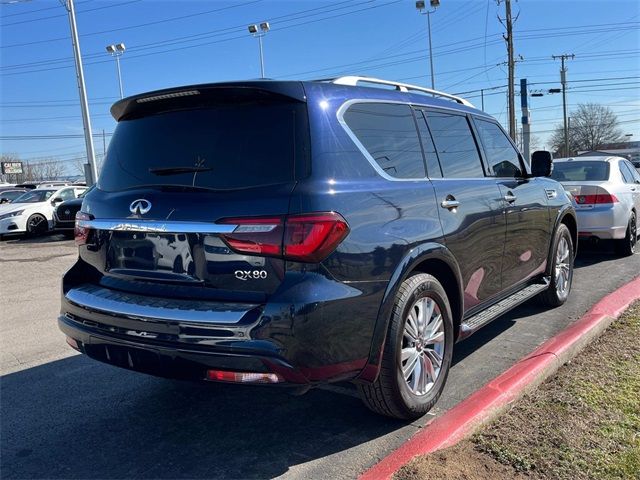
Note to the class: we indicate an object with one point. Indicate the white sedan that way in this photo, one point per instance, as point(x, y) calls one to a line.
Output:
point(32, 212)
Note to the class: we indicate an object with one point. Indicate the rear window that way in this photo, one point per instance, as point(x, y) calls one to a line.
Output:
point(230, 146)
point(580, 171)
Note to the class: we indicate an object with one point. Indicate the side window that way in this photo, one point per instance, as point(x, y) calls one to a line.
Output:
point(627, 174)
point(457, 150)
point(433, 166)
point(66, 194)
point(501, 156)
point(388, 132)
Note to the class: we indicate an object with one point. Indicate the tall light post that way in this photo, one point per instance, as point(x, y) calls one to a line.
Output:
point(91, 173)
point(421, 7)
point(260, 31)
point(116, 51)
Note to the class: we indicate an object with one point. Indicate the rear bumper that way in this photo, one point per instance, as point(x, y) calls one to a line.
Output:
point(303, 341)
point(605, 223)
point(170, 361)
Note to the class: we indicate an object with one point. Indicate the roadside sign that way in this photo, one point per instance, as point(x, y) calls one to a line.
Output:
point(11, 167)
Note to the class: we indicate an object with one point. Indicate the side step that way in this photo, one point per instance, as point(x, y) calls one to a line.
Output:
point(479, 320)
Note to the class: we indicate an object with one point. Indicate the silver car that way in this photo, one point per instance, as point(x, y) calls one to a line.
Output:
point(606, 191)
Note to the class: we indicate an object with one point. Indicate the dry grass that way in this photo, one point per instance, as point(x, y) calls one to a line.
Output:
point(583, 423)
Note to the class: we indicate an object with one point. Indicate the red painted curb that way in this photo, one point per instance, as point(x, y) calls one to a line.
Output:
point(461, 420)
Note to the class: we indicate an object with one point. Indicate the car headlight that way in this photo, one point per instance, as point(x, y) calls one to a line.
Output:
point(12, 214)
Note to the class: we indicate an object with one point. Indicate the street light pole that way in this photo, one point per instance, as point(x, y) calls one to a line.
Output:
point(91, 174)
point(420, 5)
point(116, 51)
point(259, 32)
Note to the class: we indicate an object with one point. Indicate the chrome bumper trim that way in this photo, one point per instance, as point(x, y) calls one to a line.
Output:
point(140, 307)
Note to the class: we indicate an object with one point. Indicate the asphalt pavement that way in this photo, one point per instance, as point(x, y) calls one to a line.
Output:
point(66, 416)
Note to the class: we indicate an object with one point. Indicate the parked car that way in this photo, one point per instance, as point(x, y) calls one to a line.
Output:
point(369, 229)
point(32, 212)
point(64, 215)
point(607, 198)
point(9, 195)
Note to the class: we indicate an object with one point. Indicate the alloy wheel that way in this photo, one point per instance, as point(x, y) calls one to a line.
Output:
point(423, 345)
point(563, 267)
point(36, 224)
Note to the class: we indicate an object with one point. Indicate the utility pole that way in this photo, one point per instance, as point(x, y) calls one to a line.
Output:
point(526, 126)
point(563, 80)
point(91, 173)
point(508, 23)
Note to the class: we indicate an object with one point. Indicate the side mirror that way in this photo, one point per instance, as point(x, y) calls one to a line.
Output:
point(56, 201)
point(541, 164)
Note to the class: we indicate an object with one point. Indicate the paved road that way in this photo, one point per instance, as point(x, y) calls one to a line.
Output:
point(65, 416)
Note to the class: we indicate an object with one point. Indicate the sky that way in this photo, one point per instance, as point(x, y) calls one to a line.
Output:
point(171, 43)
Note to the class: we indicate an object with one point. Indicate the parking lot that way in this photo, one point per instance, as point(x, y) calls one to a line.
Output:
point(65, 416)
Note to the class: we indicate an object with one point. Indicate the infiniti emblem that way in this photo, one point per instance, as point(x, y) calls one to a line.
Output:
point(140, 206)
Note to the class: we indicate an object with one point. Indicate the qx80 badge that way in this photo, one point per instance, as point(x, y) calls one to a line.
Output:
point(245, 275)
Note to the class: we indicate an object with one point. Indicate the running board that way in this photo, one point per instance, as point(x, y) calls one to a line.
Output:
point(473, 324)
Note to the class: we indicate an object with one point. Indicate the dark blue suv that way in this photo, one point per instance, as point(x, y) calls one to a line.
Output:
point(298, 233)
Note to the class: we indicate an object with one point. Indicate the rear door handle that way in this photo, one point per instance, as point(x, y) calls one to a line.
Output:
point(510, 197)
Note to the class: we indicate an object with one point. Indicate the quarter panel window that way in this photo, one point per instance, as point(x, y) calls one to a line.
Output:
point(627, 174)
point(456, 147)
point(388, 132)
point(501, 155)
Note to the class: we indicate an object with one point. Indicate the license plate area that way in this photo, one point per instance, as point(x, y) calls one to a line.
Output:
point(139, 252)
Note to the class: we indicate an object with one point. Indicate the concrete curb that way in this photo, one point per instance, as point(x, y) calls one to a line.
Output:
point(496, 396)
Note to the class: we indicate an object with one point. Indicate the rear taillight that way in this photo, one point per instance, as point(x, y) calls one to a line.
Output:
point(81, 232)
point(596, 199)
point(303, 238)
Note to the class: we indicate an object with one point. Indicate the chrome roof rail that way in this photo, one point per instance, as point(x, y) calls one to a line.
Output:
point(353, 81)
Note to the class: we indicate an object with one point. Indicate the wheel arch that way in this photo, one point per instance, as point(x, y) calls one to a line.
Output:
point(566, 216)
point(434, 259)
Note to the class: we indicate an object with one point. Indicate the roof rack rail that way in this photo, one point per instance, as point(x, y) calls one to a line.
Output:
point(403, 87)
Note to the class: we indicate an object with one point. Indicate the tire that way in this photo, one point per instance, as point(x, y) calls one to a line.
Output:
point(627, 246)
point(37, 225)
point(561, 269)
point(391, 394)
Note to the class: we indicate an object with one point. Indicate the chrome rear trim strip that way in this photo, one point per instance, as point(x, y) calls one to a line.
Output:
point(130, 225)
point(141, 307)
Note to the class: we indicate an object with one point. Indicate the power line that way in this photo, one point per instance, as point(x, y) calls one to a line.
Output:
point(20, 22)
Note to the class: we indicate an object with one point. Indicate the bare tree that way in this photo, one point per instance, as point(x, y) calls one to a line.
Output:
point(592, 125)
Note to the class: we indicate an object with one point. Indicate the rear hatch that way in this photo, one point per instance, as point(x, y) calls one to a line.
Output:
point(184, 167)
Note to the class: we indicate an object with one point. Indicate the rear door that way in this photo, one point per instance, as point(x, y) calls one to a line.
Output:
point(632, 183)
point(470, 205)
point(525, 206)
point(180, 176)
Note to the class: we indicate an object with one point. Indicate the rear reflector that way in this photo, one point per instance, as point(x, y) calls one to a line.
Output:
point(303, 238)
point(243, 377)
point(72, 343)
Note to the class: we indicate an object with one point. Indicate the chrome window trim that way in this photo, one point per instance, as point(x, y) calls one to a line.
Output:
point(345, 106)
point(154, 226)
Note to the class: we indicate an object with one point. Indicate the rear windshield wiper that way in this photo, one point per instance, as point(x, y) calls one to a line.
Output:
point(178, 170)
